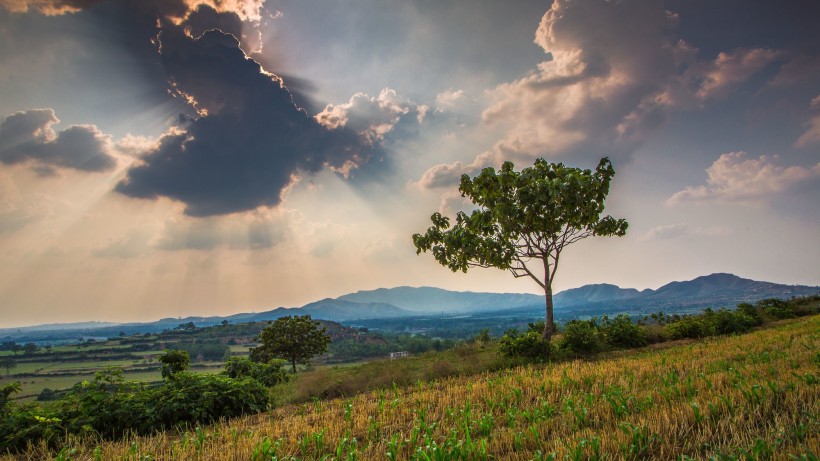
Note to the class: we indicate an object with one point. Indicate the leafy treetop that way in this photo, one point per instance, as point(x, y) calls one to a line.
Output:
point(296, 339)
point(173, 362)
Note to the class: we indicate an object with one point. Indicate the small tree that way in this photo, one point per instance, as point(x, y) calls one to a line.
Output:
point(296, 339)
point(173, 362)
point(524, 221)
point(8, 363)
point(30, 348)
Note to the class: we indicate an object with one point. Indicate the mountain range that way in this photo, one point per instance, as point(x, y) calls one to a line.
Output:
point(715, 290)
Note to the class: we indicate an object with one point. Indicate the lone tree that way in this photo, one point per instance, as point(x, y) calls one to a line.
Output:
point(8, 363)
point(173, 362)
point(524, 221)
point(295, 339)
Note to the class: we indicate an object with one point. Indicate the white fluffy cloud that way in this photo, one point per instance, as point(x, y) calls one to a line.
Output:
point(450, 99)
point(734, 178)
point(443, 175)
point(371, 117)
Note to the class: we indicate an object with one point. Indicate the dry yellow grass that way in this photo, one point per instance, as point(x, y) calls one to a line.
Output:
point(753, 396)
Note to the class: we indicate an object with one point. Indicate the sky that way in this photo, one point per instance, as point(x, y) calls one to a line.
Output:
point(166, 158)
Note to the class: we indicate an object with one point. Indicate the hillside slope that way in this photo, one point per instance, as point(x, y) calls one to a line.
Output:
point(729, 397)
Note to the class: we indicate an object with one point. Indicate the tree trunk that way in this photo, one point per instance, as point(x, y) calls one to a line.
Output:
point(549, 323)
point(293, 364)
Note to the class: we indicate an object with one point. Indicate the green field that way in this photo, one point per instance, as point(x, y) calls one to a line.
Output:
point(63, 366)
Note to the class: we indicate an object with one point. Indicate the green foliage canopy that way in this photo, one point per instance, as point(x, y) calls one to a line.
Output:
point(269, 374)
point(524, 220)
point(296, 339)
point(174, 362)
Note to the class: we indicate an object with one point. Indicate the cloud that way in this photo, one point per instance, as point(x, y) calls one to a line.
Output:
point(47, 7)
point(373, 118)
point(596, 92)
point(801, 68)
point(673, 231)
point(450, 99)
point(717, 78)
point(247, 10)
point(136, 146)
point(441, 175)
point(811, 135)
point(733, 178)
point(614, 71)
point(28, 137)
point(449, 174)
point(250, 141)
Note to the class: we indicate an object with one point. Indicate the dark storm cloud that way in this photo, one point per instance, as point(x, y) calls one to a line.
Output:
point(250, 140)
point(28, 137)
point(243, 135)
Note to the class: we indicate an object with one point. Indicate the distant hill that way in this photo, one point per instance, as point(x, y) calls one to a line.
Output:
point(433, 300)
point(341, 310)
point(726, 286)
point(593, 294)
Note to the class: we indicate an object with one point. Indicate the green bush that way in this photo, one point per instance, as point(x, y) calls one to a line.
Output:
point(621, 332)
point(582, 336)
point(111, 407)
point(689, 327)
point(201, 399)
point(529, 344)
point(751, 311)
point(724, 322)
point(269, 374)
point(777, 308)
point(655, 333)
point(47, 394)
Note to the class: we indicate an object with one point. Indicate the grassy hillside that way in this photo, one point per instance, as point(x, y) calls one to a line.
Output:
point(753, 396)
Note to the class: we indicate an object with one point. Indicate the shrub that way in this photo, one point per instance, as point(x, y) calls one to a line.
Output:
point(47, 394)
point(269, 374)
point(530, 345)
point(777, 308)
point(582, 336)
point(752, 312)
point(201, 399)
point(621, 332)
point(655, 333)
point(808, 305)
point(724, 322)
point(689, 327)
